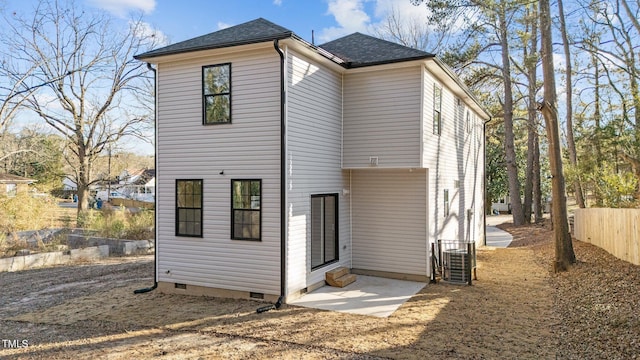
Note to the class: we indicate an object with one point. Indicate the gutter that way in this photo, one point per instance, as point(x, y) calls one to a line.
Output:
point(155, 198)
point(283, 188)
point(180, 50)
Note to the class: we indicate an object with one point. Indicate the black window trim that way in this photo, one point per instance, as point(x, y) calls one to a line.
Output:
point(177, 217)
point(233, 215)
point(337, 230)
point(447, 203)
point(204, 96)
point(437, 108)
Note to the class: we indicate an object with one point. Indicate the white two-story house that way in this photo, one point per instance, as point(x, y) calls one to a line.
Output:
point(279, 160)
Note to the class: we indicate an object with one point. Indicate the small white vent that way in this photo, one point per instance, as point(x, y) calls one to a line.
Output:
point(373, 161)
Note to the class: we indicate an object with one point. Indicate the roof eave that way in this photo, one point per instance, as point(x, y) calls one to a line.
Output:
point(442, 65)
point(351, 65)
point(151, 55)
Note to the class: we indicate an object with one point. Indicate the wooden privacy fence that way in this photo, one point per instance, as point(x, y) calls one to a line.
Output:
point(128, 203)
point(615, 230)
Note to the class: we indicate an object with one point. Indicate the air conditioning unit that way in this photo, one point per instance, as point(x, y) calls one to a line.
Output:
point(456, 266)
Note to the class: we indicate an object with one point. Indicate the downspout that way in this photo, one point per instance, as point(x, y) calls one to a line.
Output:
point(283, 188)
point(484, 179)
point(155, 197)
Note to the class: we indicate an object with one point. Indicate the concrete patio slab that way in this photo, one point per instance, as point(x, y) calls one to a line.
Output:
point(369, 295)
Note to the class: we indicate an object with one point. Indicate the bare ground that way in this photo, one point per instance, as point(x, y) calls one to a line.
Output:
point(517, 309)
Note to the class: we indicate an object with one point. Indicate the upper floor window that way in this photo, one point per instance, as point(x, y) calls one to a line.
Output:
point(437, 109)
point(189, 208)
point(216, 94)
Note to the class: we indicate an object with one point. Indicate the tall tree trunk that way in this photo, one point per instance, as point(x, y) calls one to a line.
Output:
point(596, 118)
point(571, 143)
point(564, 255)
point(530, 60)
point(82, 182)
point(537, 186)
point(510, 153)
point(631, 15)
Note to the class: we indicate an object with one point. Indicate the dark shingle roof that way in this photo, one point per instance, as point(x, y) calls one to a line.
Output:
point(356, 49)
point(363, 50)
point(255, 31)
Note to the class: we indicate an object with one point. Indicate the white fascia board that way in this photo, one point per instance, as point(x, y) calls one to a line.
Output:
point(443, 73)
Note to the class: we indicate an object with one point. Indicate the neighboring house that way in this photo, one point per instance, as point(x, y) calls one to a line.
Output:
point(69, 185)
point(138, 184)
point(502, 205)
point(136, 177)
point(278, 160)
point(10, 184)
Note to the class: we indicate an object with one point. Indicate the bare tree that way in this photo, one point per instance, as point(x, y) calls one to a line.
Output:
point(509, 141)
point(409, 31)
point(564, 255)
point(633, 18)
point(95, 105)
point(571, 143)
point(616, 50)
point(532, 186)
point(14, 88)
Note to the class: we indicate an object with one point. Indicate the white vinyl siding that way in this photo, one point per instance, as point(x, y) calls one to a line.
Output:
point(382, 118)
point(454, 156)
point(249, 148)
point(314, 133)
point(389, 220)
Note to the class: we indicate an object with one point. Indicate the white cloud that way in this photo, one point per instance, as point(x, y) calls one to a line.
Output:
point(146, 30)
point(122, 7)
point(222, 25)
point(277, 2)
point(558, 61)
point(350, 16)
point(403, 8)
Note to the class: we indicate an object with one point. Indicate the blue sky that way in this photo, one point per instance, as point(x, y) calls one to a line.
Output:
point(183, 19)
point(329, 19)
point(178, 20)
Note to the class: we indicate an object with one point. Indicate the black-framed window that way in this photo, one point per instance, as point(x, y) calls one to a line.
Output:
point(324, 229)
point(446, 202)
point(246, 209)
point(437, 109)
point(189, 207)
point(216, 94)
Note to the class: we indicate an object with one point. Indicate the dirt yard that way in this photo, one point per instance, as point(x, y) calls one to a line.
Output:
point(517, 309)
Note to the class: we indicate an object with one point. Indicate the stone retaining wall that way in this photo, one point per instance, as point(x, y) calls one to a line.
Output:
point(117, 247)
point(17, 263)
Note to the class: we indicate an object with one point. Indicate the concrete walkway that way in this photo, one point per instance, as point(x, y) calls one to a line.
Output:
point(496, 237)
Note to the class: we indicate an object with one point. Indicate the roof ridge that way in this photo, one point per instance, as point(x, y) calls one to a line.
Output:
point(360, 49)
point(250, 32)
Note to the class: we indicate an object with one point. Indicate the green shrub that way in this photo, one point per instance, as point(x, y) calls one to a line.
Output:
point(24, 212)
point(121, 223)
point(141, 225)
